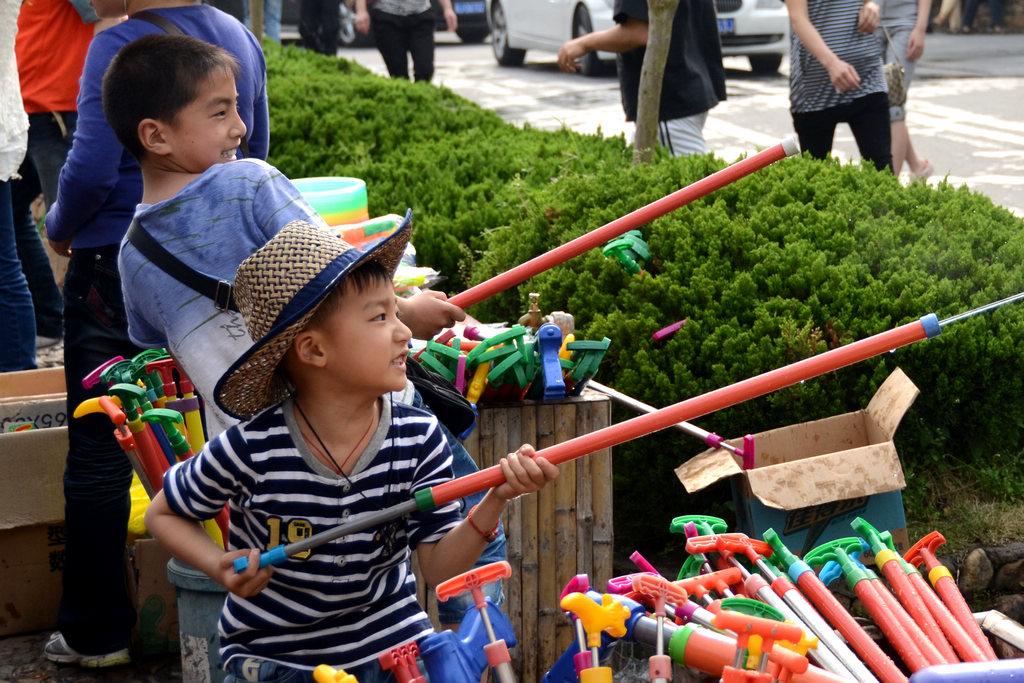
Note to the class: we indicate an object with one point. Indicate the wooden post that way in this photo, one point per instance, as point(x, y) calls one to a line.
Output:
point(553, 535)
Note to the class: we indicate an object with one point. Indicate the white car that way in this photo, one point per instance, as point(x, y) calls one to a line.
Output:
point(521, 25)
point(755, 29)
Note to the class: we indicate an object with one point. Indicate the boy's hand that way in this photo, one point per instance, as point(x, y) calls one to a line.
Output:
point(248, 583)
point(524, 473)
point(428, 312)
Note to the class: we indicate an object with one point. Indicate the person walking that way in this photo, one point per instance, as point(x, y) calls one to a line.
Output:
point(836, 77)
point(404, 28)
point(904, 23)
point(694, 79)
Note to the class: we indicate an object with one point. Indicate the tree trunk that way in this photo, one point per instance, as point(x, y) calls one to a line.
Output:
point(661, 14)
point(256, 17)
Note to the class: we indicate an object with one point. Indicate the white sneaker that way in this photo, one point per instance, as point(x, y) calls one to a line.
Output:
point(45, 342)
point(58, 650)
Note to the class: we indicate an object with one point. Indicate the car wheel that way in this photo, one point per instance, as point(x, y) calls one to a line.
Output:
point(590, 64)
point(506, 56)
point(765, 64)
point(348, 36)
point(472, 35)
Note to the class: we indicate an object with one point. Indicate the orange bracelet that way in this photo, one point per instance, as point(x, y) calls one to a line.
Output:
point(489, 537)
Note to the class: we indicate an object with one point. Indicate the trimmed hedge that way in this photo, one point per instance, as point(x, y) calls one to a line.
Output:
point(797, 258)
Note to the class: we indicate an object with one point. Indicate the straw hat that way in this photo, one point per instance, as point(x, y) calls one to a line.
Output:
point(278, 289)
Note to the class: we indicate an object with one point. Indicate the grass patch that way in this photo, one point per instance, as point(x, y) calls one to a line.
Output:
point(961, 507)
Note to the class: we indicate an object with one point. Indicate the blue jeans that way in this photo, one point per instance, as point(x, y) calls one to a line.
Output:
point(271, 18)
point(95, 614)
point(18, 350)
point(451, 611)
point(49, 140)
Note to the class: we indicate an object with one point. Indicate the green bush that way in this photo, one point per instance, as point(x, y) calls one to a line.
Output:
point(795, 259)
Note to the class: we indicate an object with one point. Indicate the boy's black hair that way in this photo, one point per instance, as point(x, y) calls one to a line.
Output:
point(155, 77)
point(362, 276)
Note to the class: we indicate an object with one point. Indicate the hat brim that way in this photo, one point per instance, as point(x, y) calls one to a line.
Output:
point(252, 383)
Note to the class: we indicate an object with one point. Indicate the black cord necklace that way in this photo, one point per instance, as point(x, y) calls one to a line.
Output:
point(323, 446)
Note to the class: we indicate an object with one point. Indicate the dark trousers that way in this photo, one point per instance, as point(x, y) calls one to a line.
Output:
point(399, 36)
point(48, 145)
point(95, 615)
point(868, 118)
point(318, 25)
point(995, 8)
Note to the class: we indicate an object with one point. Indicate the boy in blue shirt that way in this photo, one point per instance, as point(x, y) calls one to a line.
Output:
point(211, 211)
point(202, 205)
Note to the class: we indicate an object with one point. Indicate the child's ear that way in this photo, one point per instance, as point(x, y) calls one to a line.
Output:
point(307, 349)
point(151, 135)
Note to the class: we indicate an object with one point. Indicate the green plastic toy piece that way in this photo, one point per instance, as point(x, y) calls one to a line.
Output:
point(118, 373)
point(629, 248)
point(753, 608)
point(691, 567)
point(840, 551)
point(133, 398)
point(514, 335)
point(706, 524)
point(167, 418)
point(138, 369)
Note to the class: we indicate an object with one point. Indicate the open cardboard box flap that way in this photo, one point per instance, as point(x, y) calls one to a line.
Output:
point(840, 457)
point(27, 383)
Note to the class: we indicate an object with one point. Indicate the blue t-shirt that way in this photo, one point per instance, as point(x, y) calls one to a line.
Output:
point(100, 183)
point(212, 225)
point(346, 601)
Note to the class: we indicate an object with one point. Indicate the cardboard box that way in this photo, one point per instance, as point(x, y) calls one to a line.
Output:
point(36, 396)
point(31, 499)
point(31, 528)
point(156, 631)
point(811, 480)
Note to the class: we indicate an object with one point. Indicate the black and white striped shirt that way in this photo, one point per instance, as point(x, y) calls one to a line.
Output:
point(346, 601)
point(810, 88)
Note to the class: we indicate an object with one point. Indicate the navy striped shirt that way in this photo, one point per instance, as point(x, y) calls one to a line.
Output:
point(810, 88)
point(345, 602)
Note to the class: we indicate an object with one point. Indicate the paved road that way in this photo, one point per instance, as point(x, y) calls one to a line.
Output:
point(965, 109)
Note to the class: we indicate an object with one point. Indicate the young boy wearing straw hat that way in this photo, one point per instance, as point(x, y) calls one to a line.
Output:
point(323, 444)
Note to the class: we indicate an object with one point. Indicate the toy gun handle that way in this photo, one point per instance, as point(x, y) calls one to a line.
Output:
point(473, 581)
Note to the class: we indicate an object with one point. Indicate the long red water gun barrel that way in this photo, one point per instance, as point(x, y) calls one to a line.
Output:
point(634, 219)
point(427, 499)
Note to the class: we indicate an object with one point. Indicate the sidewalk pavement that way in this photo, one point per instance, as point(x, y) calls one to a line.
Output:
point(984, 55)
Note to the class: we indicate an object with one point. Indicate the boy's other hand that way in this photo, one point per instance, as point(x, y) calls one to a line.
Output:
point(248, 583)
point(428, 312)
point(524, 473)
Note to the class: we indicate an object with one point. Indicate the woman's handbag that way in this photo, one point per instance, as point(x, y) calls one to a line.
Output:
point(895, 77)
